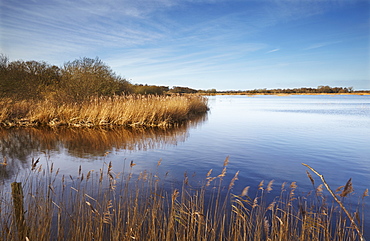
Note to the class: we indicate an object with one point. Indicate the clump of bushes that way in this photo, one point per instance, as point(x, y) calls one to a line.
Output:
point(75, 81)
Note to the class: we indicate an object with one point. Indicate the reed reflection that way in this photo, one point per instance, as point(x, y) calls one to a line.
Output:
point(19, 145)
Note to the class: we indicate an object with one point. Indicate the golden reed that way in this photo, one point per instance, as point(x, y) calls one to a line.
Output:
point(129, 110)
point(105, 205)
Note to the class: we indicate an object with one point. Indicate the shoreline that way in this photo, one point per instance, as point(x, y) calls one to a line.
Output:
point(287, 94)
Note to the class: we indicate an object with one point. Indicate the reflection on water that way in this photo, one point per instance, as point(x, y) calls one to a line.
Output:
point(19, 145)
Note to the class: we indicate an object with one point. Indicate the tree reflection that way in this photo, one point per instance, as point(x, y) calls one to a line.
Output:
point(19, 145)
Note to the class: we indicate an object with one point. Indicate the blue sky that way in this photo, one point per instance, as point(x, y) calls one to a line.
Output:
point(202, 44)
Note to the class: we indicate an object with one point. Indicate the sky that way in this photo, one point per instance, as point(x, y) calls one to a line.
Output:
point(201, 44)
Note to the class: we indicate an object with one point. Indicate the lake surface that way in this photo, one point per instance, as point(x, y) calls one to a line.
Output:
point(265, 137)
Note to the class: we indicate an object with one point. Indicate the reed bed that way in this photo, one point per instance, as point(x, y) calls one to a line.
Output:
point(128, 110)
point(105, 205)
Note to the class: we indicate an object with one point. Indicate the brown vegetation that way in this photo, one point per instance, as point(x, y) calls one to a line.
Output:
point(104, 205)
point(127, 110)
point(75, 81)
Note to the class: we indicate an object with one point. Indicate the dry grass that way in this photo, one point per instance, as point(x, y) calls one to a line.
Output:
point(130, 110)
point(104, 205)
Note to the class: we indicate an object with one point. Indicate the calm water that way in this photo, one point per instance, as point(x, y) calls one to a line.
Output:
point(266, 137)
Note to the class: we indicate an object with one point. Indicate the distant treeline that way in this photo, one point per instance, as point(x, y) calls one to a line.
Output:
point(318, 90)
point(75, 80)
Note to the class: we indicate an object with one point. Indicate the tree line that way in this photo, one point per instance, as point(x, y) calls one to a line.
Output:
point(75, 80)
point(304, 90)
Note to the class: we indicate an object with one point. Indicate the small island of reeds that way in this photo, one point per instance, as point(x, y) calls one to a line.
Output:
point(124, 110)
point(86, 92)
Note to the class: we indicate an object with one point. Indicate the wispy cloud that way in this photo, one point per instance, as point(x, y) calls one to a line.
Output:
point(272, 51)
point(59, 26)
point(54, 25)
point(184, 61)
point(321, 45)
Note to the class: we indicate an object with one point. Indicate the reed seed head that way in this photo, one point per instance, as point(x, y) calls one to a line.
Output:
point(347, 188)
point(310, 177)
point(245, 191)
point(366, 193)
point(269, 186)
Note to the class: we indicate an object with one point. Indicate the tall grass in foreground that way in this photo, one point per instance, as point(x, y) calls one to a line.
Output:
point(129, 110)
point(104, 205)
